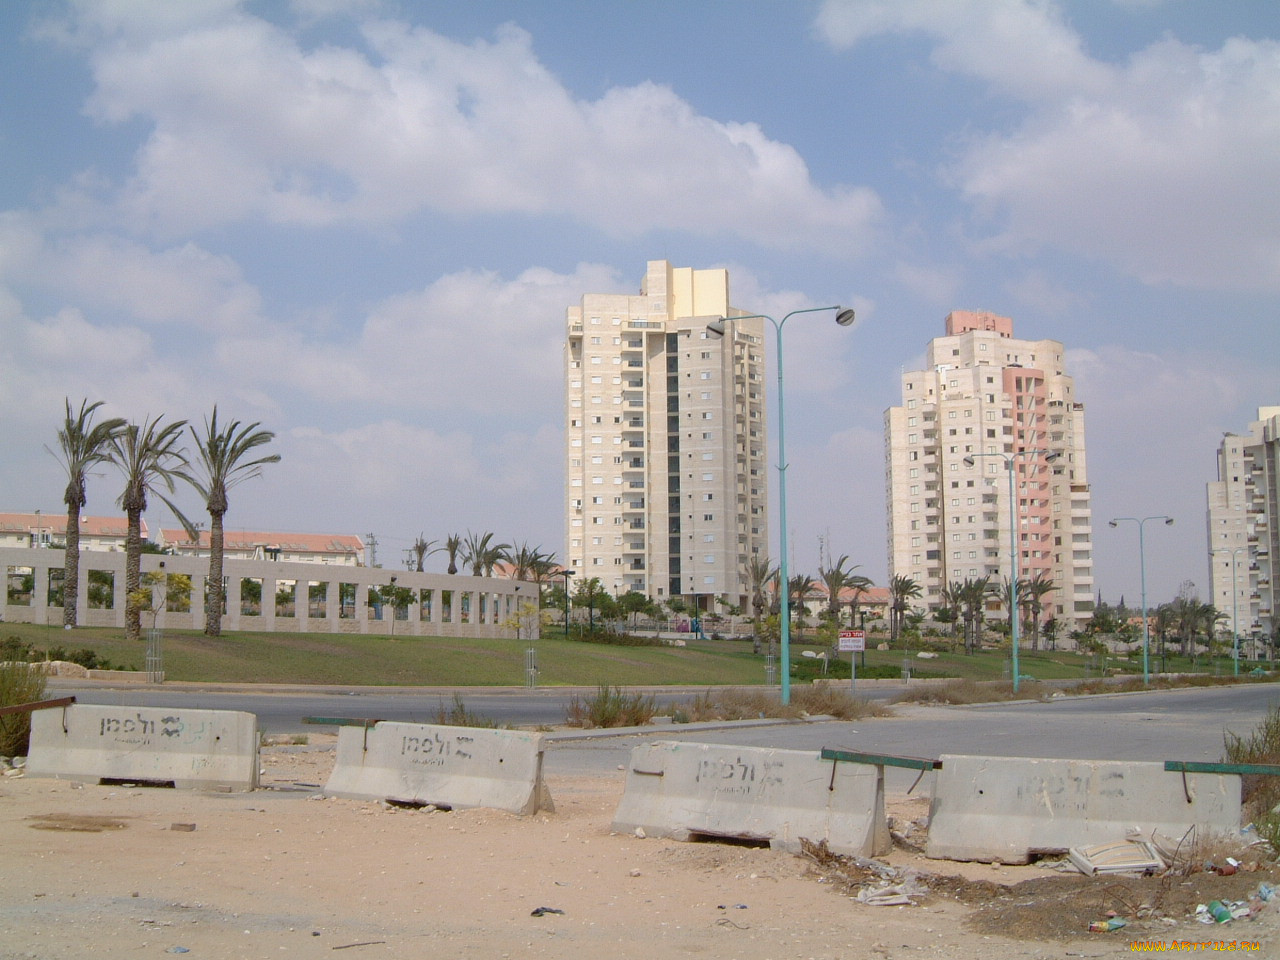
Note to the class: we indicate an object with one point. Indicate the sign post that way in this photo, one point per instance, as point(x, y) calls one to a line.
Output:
point(852, 641)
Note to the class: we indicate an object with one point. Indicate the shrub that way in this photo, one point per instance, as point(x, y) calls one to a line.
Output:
point(611, 707)
point(14, 649)
point(19, 683)
point(599, 635)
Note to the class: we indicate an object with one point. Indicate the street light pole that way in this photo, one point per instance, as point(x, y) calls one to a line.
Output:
point(1009, 459)
point(566, 574)
point(844, 317)
point(1235, 598)
point(1142, 564)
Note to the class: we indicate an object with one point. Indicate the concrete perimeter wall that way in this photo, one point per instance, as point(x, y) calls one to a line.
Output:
point(1008, 809)
point(685, 790)
point(448, 606)
point(188, 748)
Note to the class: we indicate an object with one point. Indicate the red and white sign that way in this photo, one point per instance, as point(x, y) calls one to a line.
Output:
point(852, 641)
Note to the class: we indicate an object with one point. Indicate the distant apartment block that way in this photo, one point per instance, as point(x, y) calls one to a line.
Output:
point(50, 530)
point(986, 395)
point(1243, 515)
point(666, 481)
point(337, 548)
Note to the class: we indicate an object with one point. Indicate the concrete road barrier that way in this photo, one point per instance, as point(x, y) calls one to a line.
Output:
point(189, 749)
point(1009, 810)
point(689, 790)
point(441, 765)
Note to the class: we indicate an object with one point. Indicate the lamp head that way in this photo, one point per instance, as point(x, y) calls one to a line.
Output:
point(844, 316)
point(1112, 523)
point(716, 327)
point(1168, 521)
point(1052, 457)
point(569, 573)
point(968, 461)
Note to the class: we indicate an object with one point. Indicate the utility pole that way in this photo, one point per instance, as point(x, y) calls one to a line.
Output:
point(372, 543)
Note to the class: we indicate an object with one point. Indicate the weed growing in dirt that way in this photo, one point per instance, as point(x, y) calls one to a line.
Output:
point(19, 683)
point(611, 707)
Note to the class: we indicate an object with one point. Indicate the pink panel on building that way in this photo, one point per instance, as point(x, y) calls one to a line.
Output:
point(962, 321)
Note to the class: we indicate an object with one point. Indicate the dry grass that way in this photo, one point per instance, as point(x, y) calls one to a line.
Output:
point(754, 704)
point(1260, 795)
point(974, 691)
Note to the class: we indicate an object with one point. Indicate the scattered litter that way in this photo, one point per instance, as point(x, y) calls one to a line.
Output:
point(1222, 911)
point(900, 895)
point(363, 943)
point(1106, 926)
point(1118, 856)
point(183, 827)
point(736, 906)
point(543, 911)
point(178, 950)
point(867, 881)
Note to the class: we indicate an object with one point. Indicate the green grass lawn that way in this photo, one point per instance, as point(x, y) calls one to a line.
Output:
point(447, 661)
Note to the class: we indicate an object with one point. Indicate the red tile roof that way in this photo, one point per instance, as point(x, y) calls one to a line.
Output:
point(56, 524)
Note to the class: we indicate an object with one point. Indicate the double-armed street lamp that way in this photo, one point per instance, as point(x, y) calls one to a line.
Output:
point(1142, 564)
point(1009, 459)
point(845, 318)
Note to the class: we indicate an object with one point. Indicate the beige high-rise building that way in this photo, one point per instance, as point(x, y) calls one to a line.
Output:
point(997, 400)
point(666, 482)
point(1244, 531)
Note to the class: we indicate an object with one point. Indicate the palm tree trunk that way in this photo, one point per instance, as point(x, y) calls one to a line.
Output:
point(71, 576)
point(213, 591)
point(132, 573)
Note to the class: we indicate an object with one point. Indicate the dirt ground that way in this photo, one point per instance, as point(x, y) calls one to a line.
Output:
point(128, 872)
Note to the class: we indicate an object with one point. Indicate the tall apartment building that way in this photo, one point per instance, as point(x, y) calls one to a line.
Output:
point(1243, 517)
point(665, 443)
point(986, 395)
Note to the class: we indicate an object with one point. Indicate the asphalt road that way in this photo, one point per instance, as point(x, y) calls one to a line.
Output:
point(1185, 724)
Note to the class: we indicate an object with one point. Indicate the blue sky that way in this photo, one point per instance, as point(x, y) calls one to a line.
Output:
point(360, 223)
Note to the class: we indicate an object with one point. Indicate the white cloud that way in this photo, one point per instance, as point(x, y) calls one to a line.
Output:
point(1159, 165)
point(468, 341)
point(333, 135)
point(1022, 48)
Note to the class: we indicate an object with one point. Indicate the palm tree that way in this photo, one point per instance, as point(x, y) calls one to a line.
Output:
point(801, 587)
point(952, 596)
point(760, 573)
point(1004, 593)
point(1032, 593)
point(482, 553)
point(149, 456)
point(835, 578)
point(901, 589)
point(525, 561)
point(973, 598)
point(452, 545)
point(222, 464)
point(423, 548)
point(81, 445)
